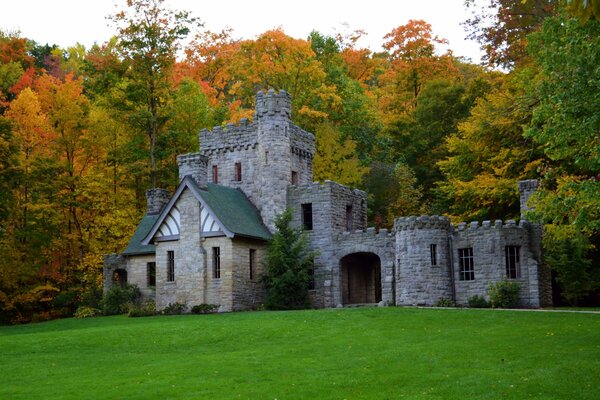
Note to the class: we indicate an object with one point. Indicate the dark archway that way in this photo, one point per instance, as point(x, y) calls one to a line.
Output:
point(361, 278)
point(120, 277)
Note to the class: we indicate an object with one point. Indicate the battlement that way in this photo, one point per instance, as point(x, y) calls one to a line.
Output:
point(273, 103)
point(422, 222)
point(362, 234)
point(497, 224)
point(229, 138)
point(319, 186)
point(303, 142)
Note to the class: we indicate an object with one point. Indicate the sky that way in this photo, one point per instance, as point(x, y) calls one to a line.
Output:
point(66, 22)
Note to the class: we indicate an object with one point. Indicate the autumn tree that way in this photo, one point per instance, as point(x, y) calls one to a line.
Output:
point(149, 37)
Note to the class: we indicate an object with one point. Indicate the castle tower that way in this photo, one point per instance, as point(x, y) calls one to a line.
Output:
point(194, 165)
point(273, 113)
point(423, 274)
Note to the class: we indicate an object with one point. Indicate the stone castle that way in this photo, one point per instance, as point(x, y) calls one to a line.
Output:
point(205, 242)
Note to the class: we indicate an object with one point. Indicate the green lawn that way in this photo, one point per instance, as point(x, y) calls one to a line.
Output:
point(361, 353)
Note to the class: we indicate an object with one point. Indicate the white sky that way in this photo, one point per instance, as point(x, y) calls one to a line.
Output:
point(66, 22)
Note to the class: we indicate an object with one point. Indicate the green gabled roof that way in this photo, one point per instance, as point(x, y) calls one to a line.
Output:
point(233, 209)
point(135, 246)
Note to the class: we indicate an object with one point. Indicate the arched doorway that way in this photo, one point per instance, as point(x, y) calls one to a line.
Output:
point(361, 278)
point(120, 277)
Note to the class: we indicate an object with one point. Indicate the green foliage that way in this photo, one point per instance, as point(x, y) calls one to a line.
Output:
point(119, 300)
point(174, 309)
point(503, 294)
point(147, 309)
point(287, 266)
point(477, 301)
point(444, 302)
point(205, 308)
point(87, 312)
point(572, 256)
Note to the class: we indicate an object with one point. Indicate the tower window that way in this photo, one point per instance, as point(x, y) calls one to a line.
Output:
point(307, 220)
point(294, 178)
point(433, 251)
point(215, 174)
point(465, 262)
point(238, 171)
point(349, 218)
point(513, 262)
point(216, 262)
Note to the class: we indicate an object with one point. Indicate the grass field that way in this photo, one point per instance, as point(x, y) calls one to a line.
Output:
point(362, 353)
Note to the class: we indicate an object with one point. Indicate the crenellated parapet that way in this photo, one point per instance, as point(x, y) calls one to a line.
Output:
point(229, 138)
point(422, 222)
point(302, 142)
point(273, 103)
point(487, 225)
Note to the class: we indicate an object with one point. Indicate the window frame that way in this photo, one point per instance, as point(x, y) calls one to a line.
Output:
point(170, 266)
point(466, 271)
point(512, 256)
point(307, 216)
point(216, 258)
point(151, 274)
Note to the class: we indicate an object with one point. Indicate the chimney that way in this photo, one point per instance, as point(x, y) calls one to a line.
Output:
point(194, 165)
point(156, 200)
point(526, 189)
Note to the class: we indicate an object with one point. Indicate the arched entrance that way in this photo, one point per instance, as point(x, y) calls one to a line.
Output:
point(361, 278)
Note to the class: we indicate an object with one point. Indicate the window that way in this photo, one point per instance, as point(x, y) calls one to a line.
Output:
point(465, 260)
point(215, 177)
point(251, 261)
point(238, 171)
point(151, 274)
point(307, 222)
point(266, 157)
point(170, 266)
point(216, 262)
point(433, 251)
point(513, 262)
point(294, 178)
point(349, 218)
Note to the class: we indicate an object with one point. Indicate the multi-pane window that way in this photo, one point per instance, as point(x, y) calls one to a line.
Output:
point(216, 253)
point(433, 251)
point(307, 220)
point(238, 171)
point(170, 266)
point(151, 274)
point(513, 262)
point(294, 178)
point(349, 218)
point(465, 262)
point(251, 262)
point(215, 174)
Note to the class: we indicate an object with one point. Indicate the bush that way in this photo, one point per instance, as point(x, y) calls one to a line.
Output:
point(174, 309)
point(86, 312)
point(205, 308)
point(444, 302)
point(118, 300)
point(504, 294)
point(477, 301)
point(147, 309)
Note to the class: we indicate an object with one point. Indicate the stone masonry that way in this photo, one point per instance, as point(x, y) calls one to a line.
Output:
point(420, 261)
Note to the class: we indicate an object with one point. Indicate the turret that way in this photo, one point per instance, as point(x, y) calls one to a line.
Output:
point(194, 165)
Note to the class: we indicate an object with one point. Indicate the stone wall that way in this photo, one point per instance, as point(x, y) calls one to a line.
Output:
point(418, 281)
point(488, 242)
point(112, 262)
point(247, 293)
point(137, 274)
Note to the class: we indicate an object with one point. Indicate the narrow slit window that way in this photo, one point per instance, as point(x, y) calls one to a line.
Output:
point(307, 218)
point(151, 274)
point(170, 266)
point(294, 178)
point(349, 218)
point(513, 262)
point(216, 262)
point(215, 174)
point(251, 263)
point(465, 261)
point(433, 251)
point(238, 171)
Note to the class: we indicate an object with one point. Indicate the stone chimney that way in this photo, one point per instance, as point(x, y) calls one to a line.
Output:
point(156, 200)
point(526, 189)
point(194, 165)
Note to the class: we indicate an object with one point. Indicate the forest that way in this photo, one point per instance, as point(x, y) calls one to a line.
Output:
point(84, 132)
